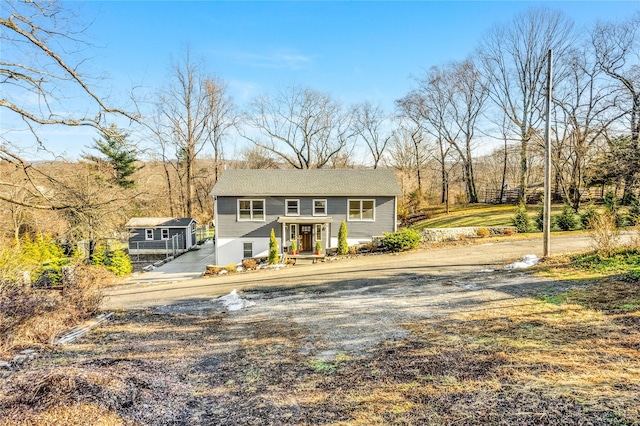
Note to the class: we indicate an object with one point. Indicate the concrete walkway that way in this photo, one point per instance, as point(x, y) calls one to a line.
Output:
point(190, 265)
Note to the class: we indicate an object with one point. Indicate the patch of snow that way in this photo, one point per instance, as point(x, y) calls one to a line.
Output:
point(234, 303)
point(488, 270)
point(526, 262)
point(223, 272)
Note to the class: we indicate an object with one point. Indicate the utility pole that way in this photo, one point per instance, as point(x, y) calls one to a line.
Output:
point(546, 228)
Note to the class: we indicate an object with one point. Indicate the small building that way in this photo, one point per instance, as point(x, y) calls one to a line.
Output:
point(161, 235)
point(306, 206)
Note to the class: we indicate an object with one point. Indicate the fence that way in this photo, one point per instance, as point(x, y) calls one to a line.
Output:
point(170, 247)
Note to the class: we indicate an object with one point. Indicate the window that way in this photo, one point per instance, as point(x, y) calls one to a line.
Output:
point(148, 234)
point(193, 227)
point(251, 210)
point(165, 234)
point(293, 232)
point(319, 207)
point(318, 232)
point(247, 250)
point(361, 209)
point(292, 207)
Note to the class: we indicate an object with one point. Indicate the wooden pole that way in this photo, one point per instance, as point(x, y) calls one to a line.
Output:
point(547, 163)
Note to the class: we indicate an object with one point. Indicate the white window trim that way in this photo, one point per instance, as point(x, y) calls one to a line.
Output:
point(162, 232)
point(318, 234)
point(243, 254)
point(264, 210)
point(146, 234)
point(349, 219)
point(325, 207)
point(291, 233)
point(286, 207)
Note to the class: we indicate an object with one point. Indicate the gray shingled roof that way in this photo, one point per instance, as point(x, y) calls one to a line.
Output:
point(163, 222)
point(315, 182)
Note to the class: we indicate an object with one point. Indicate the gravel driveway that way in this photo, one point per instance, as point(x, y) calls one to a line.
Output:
point(350, 305)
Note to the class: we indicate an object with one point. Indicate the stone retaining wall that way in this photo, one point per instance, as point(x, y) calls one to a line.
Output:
point(436, 235)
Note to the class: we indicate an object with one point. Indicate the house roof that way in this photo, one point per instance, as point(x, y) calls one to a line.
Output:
point(159, 222)
point(314, 182)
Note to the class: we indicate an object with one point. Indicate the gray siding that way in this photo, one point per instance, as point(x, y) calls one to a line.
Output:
point(138, 234)
point(229, 227)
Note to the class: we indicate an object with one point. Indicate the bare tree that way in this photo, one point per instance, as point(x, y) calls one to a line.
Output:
point(184, 119)
point(617, 51)
point(454, 96)
point(582, 116)
point(301, 126)
point(222, 118)
point(371, 124)
point(41, 72)
point(514, 56)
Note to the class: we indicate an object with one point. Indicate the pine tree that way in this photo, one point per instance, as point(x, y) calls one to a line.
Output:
point(113, 146)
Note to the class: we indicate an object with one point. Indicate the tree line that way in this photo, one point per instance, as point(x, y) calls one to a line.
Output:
point(436, 137)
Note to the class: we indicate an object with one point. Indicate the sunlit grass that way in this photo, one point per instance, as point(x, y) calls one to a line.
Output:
point(480, 215)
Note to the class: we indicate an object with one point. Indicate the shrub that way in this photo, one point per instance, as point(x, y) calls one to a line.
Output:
point(232, 267)
point(634, 213)
point(539, 221)
point(521, 219)
point(116, 261)
point(274, 258)
point(343, 247)
point(589, 213)
point(604, 233)
point(483, 232)
point(508, 231)
point(29, 317)
point(249, 264)
point(318, 246)
point(566, 220)
point(405, 239)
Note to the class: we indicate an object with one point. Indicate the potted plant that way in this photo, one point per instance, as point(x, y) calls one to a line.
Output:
point(318, 247)
point(294, 247)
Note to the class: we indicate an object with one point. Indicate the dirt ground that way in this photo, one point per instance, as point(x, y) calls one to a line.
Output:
point(379, 340)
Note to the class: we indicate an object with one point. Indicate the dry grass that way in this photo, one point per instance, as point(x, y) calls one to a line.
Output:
point(33, 318)
point(574, 360)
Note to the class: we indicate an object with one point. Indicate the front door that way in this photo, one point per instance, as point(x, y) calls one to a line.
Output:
point(306, 238)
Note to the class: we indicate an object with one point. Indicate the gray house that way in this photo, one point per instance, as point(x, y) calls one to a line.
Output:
point(161, 235)
point(302, 205)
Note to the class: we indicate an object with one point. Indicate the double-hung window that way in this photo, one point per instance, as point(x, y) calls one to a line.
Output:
point(292, 207)
point(148, 234)
point(165, 234)
point(251, 210)
point(319, 207)
point(361, 210)
point(247, 250)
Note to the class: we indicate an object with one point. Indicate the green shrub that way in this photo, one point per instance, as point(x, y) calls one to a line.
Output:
point(589, 213)
point(232, 267)
point(116, 261)
point(343, 247)
point(274, 258)
point(521, 219)
point(405, 239)
point(539, 221)
point(120, 263)
point(566, 220)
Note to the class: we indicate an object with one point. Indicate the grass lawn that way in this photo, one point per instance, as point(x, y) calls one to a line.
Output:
point(479, 215)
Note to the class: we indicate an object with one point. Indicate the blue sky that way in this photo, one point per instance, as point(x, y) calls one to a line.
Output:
point(357, 51)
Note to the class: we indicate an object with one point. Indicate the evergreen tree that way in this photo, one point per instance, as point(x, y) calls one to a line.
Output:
point(343, 247)
point(273, 249)
point(521, 219)
point(113, 147)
